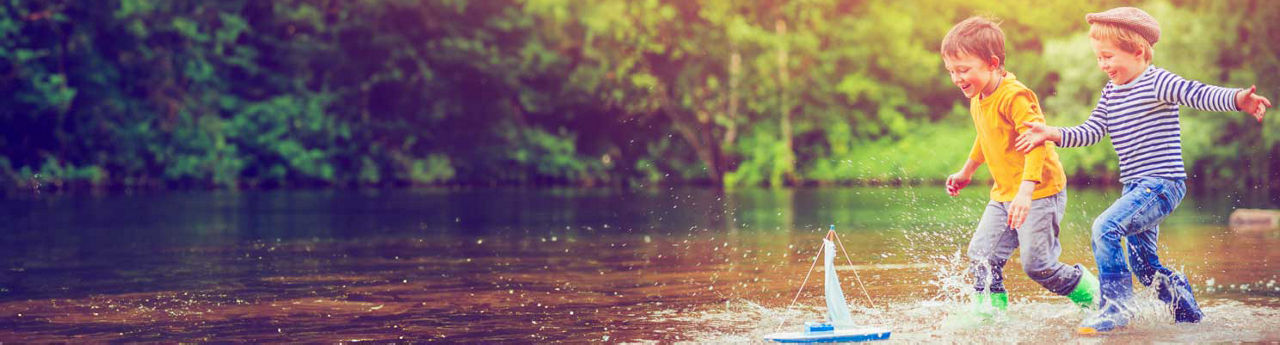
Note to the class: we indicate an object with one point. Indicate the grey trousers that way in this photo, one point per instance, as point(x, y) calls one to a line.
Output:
point(994, 241)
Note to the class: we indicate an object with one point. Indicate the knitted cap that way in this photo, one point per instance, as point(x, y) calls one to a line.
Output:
point(1129, 17)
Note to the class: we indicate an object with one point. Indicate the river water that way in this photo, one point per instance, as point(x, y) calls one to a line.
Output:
point(569, 265)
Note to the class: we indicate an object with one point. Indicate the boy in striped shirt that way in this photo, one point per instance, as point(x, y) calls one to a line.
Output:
point(1139, 110)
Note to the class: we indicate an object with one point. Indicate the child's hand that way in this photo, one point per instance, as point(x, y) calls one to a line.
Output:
point(1021, 205)
point(1036, 134)
point(1251, 103)
point(956, 182)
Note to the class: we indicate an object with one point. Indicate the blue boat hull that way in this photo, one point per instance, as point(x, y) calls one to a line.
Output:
point(838, 336)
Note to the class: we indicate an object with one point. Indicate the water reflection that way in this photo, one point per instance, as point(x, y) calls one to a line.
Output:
point(485, 265)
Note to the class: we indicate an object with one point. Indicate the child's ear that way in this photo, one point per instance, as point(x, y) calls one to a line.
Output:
point(994, 61)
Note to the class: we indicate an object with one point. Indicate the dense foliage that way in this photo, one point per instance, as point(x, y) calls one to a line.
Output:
point(242, 93)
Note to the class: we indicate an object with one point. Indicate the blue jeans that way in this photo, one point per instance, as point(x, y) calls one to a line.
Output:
point(1136, 217)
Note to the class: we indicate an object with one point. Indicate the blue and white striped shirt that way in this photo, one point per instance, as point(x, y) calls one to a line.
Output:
point(1142, 119)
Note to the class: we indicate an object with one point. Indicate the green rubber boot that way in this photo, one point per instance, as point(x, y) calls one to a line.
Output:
point(999, 300)
point(1087, 292)
point(983, 308)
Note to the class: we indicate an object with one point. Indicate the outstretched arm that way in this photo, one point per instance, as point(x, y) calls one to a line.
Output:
point(1248, 101)
point(1088, 133)
point(1036, 134)
point(1174, 89)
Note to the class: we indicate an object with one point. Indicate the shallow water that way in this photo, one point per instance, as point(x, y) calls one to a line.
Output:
point(544, 265)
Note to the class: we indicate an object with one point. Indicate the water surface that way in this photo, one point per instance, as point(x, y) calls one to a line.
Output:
point(574, 265)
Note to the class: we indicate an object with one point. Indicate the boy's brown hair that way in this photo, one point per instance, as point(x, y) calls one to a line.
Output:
point(978, 36)
point(1122, 37)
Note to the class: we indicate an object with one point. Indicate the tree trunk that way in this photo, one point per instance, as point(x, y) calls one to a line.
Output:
point(731, 112)
point(699, 134)
point(786, 171)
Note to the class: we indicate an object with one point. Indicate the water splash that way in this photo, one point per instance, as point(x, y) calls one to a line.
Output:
point(1042, 319)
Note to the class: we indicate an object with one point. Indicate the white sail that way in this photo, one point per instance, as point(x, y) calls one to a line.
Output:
point(837, 309)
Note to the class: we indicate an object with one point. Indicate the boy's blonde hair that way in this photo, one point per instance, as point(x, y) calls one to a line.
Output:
point(1124, 38)
point(978, 36)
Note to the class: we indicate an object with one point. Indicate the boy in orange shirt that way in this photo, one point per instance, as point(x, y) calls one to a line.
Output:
point(1028, 195)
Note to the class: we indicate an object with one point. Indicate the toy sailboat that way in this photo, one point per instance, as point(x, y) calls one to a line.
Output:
point(839, 326)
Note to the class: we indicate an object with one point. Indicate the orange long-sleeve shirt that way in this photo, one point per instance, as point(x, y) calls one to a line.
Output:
point(998, 120)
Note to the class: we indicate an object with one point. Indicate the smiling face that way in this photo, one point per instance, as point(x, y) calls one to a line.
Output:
point(1121, 66)
point(971, 74)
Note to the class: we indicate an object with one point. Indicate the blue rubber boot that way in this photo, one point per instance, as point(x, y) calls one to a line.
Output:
point(1117, 293)
point(1175, 291)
